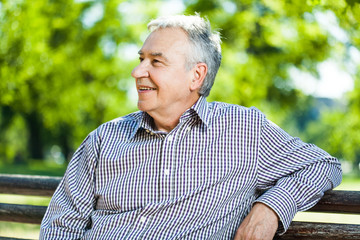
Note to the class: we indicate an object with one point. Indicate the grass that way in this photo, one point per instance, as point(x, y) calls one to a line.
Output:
point(45, 168)
point(31, 231)
point(23, 230)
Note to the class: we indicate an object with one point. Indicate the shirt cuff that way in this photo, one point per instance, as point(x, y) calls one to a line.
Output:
point(282, 203)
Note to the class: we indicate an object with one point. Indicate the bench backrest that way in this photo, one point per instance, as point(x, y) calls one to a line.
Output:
point(333, 202)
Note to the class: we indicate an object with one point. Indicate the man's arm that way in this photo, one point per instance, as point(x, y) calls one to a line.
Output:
point(68, 214)
point(261, 223)
point(295, 175)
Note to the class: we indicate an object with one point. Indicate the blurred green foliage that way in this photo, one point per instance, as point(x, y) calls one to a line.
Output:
point(65, 67)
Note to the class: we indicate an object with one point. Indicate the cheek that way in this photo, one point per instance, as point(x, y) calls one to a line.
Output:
point(172, 82)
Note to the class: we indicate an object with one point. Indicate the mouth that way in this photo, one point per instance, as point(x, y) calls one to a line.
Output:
point(145, 89)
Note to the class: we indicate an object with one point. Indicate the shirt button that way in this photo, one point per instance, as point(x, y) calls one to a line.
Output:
point(188, 129)
point(143, 219)
point(170, 138)
point(167, 172)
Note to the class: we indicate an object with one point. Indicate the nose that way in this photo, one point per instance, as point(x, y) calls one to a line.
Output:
point(140, 71)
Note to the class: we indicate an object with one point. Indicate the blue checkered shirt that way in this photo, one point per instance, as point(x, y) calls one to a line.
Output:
point(199, 181)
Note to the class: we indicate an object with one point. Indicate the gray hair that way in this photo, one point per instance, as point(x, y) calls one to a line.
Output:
point(204, 44)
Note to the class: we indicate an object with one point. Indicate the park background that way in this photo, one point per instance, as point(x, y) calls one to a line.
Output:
point(65, 68)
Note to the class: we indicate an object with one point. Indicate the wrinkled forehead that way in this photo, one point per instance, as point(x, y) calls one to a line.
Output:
point(165, 41)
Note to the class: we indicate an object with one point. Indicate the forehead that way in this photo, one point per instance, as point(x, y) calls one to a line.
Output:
point(166, 41)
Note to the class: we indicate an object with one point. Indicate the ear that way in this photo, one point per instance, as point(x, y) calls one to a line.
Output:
point(199, 71)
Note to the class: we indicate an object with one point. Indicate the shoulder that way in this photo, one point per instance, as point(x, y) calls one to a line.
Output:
point(221, 109)
point(124, 125)
point(127, 119)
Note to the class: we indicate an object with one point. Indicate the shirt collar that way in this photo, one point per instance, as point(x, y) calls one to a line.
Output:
point(200, 108)
point(141, 121)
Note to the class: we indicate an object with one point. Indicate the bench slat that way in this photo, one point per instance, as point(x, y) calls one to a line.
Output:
point(21, 213)
point(8, 238)
point(297, 230)
point(312, 230)
point(337, 201)
point(332, 202)
point(28, 184)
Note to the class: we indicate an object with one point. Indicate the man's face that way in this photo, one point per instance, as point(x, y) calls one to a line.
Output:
point(162, 82)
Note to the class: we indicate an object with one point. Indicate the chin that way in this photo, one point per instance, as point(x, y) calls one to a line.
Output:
point(142, 107)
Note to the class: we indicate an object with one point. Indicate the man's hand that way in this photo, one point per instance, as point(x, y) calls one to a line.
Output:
point(261, 223)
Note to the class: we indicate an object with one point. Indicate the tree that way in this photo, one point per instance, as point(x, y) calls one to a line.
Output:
point(337, 128)
point(67, 63)
point(60, 78)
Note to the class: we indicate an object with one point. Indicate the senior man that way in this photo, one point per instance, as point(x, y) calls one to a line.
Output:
point(181, 167)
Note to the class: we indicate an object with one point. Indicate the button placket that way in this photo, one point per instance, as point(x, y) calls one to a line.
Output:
point(170, 138)
point(165, 168)
point(143, 219)
point(168, 159)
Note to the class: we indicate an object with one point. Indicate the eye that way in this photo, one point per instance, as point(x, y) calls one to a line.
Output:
point(141, 59)
point(156, 61)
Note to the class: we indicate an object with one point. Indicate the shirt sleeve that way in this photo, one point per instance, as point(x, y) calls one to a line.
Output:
point(68, 214)
point(295, 174)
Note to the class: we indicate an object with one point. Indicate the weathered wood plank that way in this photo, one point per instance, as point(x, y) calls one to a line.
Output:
point(8, 238)
point(311, 231)
point(28, 184)
point(339, 202)
point(332, 202)
point(21, 213)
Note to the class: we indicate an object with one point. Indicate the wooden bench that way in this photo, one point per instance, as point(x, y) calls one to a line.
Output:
point(333, 202)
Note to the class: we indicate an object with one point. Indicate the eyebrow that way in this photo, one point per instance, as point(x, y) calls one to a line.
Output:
point(154, 54)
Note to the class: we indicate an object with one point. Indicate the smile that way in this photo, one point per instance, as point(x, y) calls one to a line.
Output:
point(145, 89)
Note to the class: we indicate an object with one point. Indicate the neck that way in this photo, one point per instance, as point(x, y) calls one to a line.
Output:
point(167, 120)
point(166, 124)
